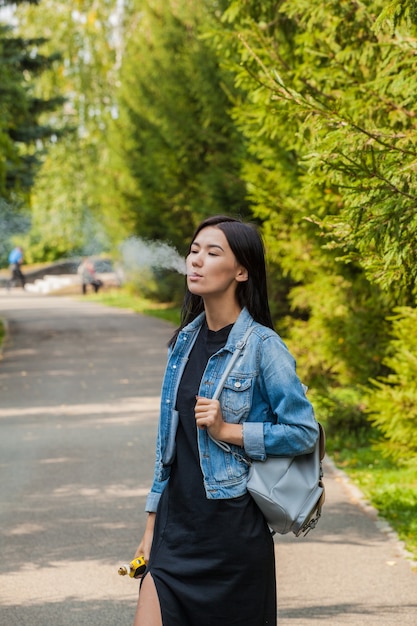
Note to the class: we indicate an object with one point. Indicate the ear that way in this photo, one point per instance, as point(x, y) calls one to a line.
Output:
point(242, 274)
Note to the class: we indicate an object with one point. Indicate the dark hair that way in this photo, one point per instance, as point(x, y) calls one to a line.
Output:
point(247, 246)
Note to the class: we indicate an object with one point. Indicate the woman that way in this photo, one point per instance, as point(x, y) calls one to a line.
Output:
point(209, 551)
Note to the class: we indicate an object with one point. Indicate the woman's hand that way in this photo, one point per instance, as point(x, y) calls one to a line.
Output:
point(208, 415)
point(144, 548)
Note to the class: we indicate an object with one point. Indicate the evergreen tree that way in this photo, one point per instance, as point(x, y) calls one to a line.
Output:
point(333, 84)
point(393, 398)
point(22, 132)
point(328, 115)
point(177, 142)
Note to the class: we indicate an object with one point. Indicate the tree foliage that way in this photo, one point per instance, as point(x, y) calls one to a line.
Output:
point(174, 134)
point(22, 131)
point(335, 87)
point(67, 197)
point(25, 132)
point(328, 112)
point(393, 398)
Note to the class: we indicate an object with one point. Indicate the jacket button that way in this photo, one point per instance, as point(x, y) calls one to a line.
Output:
point(237, 384)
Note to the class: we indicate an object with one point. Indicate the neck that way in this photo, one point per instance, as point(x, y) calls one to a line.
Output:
point(218, 317)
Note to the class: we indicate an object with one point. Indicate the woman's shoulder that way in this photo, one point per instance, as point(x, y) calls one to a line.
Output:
point(263, 332)
point(266, 336)
point(246, 324)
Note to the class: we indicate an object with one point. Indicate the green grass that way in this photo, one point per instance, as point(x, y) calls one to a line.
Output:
point(123, 299)
point(390, 487)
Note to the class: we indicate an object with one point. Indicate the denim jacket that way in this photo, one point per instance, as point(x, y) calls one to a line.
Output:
point(262, 392)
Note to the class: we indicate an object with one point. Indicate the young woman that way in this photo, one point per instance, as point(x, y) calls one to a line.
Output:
point(209, 551)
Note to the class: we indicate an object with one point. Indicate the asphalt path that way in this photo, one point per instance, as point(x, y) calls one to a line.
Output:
point(79, 392)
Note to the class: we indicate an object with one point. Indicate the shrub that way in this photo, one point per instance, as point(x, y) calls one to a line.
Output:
point(393, 401)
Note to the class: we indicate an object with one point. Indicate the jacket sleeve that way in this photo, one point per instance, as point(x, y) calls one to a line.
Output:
point(291, 428)
point(161, 471)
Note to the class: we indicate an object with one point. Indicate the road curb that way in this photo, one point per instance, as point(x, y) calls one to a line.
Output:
point(358, 498)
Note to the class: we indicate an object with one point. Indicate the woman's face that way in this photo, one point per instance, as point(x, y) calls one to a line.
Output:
point(212, 268)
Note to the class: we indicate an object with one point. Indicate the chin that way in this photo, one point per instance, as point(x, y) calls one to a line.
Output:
point(194, 290)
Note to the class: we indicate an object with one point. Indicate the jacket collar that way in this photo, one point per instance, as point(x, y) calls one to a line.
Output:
point(236, 334)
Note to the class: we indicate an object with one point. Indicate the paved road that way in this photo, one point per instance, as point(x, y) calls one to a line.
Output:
point(79, 387)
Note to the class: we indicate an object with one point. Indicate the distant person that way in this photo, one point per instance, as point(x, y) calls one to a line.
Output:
point(88, 276)
point(16, 262)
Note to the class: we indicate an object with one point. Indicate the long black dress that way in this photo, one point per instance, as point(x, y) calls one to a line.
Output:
point(212, 560)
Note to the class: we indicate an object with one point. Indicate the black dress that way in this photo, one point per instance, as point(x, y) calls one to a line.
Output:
point(212, 560)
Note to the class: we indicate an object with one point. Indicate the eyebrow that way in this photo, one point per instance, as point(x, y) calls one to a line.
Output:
point(210, 245)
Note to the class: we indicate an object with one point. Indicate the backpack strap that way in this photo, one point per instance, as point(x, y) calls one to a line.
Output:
point(239, 347)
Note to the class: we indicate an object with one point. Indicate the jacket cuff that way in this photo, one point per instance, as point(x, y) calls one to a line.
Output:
point(253, 440)
point(152, 502)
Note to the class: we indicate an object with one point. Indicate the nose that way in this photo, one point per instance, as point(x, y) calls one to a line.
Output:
point(196, 259)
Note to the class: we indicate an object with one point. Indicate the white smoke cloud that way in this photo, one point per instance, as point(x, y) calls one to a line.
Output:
point(139, 254)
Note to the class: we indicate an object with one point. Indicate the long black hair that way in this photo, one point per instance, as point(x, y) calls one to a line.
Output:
point(248, 248)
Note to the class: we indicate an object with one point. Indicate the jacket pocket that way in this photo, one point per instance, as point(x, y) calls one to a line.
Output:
point(236, 398)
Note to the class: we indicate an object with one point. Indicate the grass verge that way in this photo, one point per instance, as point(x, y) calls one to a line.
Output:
point(390, 487)
point(124, 300)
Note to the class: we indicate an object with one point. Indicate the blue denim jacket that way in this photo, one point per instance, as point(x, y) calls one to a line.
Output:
point(262, 392)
